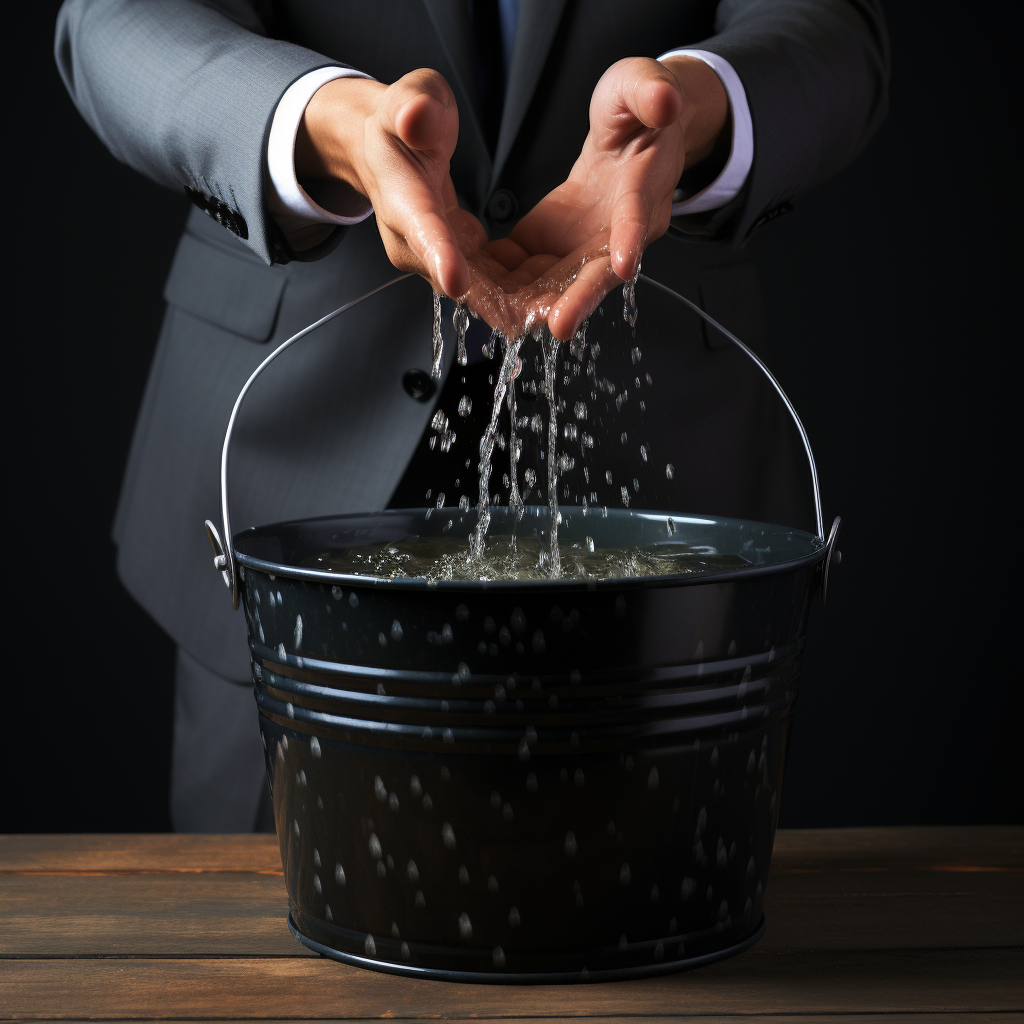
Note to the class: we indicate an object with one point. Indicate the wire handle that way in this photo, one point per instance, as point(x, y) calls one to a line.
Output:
point(223, 549)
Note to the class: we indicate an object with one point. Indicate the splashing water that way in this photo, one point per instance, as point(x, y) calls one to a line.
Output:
point(629, 312)
point(460, 321)
point(550, 560)
point(438, 340)
point(518, 321)
point(510, 360)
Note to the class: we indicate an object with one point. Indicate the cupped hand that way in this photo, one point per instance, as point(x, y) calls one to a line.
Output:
point(648, 122)
point(393, 144)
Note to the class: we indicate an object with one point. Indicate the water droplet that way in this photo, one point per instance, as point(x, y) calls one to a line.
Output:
point(370, 946)
point(297, 634)
point(624, 875)
point(379, 789)
point(688, 888)
point(570, 844)
point(513, 917)
point(498, 957)
point(375, 850)
point(396, 630)
point(625, 496)
point(608, 476)
point(419, 901)
point(314, 747)
point(465, 926)
point(353, 600)
point(339, 874)
point(669, 471)
point(652, 779)
point(463, 874)
point(448, 836)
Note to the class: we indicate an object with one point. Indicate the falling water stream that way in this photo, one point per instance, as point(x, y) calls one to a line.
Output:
point(549, 557)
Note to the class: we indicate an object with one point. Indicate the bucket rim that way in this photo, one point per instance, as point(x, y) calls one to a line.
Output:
point(357, 581)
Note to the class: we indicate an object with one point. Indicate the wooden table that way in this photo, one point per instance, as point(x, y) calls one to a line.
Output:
point(861, 922)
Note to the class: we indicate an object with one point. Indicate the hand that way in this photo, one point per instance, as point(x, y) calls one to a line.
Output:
point(393, 144)
point(648, 121)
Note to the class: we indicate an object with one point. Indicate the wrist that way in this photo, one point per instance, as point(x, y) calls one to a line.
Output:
point(705, 106)
point(330, 139)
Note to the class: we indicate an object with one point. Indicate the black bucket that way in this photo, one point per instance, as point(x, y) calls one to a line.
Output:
point(526, 781)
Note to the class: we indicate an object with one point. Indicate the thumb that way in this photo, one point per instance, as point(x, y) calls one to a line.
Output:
point(420, 110)
point(639, 86)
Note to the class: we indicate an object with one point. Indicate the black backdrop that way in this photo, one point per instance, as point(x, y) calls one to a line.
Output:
point(885, 301)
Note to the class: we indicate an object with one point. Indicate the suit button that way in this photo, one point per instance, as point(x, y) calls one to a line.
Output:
point(418, 385)
point(503, 206)
point(197, 199)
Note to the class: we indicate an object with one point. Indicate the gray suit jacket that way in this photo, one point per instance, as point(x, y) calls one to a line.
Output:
point(184, 91)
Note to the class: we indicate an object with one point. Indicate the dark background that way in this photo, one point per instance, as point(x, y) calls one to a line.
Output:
point(889, 329)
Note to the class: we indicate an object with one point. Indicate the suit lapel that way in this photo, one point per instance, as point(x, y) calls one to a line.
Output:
point(538, 22)
point(450, 19)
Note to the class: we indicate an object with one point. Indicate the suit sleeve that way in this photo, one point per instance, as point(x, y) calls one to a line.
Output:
point(816, 75)
point(184, 91)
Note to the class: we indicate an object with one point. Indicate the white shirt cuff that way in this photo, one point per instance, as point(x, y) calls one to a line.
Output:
point(741, 154)
point(306, 221)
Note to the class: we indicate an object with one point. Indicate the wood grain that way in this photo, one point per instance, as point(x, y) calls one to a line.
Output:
point(138, 853)
point(816, 982)
point(914, 922)
point(852, 849)
point(235, 914)
point(733, 1018)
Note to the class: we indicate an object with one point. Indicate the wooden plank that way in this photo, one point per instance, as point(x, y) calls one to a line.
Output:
point(968, 849)
point(221, 914)
point(227, 914)
point(947, 848)
point(745, 1018)
point(768, 983)
point(57, 854)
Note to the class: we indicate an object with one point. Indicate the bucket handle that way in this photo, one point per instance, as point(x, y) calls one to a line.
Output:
point(224, 554)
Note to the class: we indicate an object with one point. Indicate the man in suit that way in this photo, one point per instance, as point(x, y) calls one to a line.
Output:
point(288, 123)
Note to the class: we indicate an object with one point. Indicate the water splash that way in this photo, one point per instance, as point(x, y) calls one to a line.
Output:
point(460, 321)
point(438, 340)
point(509, 361)
point(551, 559)
point(629, 311)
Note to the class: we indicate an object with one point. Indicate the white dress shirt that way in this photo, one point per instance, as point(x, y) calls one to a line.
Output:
point(308, 212)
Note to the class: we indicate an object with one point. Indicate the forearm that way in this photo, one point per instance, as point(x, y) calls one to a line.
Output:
point(181, 92)
point(815, 74)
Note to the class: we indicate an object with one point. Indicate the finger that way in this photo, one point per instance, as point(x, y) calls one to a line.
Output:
point(420, 110)
point(430, 238)
point(506, 252)
point(531, 269)
point(631, 219)
point(642, 89)
point(655, 98)
point(558, 224)
point(594, 281)
point(469, 232)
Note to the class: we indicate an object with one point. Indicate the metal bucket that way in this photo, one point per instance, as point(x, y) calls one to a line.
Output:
point(526, 781)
